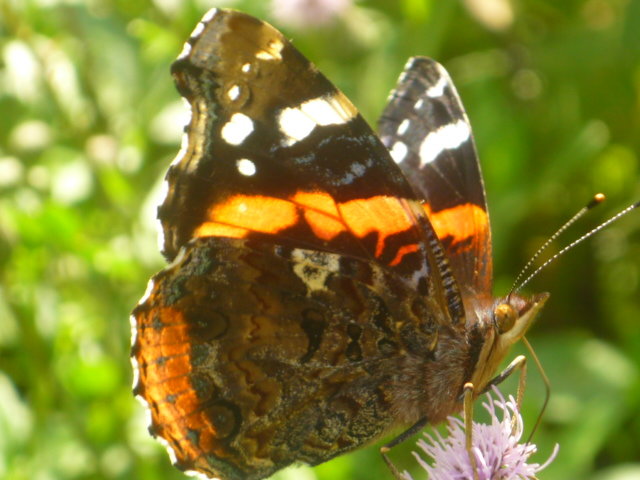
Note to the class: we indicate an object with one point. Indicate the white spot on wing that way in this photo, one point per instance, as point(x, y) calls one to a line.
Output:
point(159, 229)
point(246, 68)
point(237, 129)
point(147, 292)
point(272, 52)
point(172, 453)
point(437, 89)
point(186, 50)
point(398, 152)
point(446, 137)
point(201, 476)
point(233, 93)
point(321, 112)
point(246, 167)
point(327, 111)
point(134, 362)
point(197, 31)
point(403, 127)
point(295, 125)
point(209, 15)
point(184, 145)
point(199, 28)
point(136, 378)
point(418, 104)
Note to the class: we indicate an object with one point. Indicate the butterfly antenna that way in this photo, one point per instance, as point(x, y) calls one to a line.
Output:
point(604, 224)
point(597, 199)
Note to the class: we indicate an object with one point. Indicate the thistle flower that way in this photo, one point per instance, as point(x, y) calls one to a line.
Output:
point(497, 449)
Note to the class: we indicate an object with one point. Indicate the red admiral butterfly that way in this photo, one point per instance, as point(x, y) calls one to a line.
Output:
point(326, 285)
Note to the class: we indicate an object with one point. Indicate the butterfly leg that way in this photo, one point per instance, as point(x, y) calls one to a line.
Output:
point(468, 426)
point(412, 430)
point(518, 363)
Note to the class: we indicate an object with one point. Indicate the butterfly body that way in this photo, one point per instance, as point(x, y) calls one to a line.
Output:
point(327, 285)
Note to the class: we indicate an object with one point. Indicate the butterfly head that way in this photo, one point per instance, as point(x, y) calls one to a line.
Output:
point(509, 320)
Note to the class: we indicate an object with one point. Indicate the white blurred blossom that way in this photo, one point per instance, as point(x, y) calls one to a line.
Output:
point(308, 13)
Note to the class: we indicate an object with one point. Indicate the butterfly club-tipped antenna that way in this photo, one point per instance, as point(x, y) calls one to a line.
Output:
point(597, 199)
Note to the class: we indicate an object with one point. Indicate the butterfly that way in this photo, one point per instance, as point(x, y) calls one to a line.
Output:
point(326, 285)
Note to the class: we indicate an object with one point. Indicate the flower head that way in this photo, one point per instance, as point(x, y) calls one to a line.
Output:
point(497, 449)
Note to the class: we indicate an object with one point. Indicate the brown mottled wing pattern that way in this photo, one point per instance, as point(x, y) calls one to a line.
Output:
point(250, 360)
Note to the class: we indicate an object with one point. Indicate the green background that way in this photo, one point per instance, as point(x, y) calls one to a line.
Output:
point(90, 119)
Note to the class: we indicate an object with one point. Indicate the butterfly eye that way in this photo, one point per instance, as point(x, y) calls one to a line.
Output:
point(504, 316)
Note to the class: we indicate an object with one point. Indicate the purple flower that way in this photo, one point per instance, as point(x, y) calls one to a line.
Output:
point(308, 13)
point(497, 449)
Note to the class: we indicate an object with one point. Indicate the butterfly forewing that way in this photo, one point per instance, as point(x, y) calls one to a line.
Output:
point(273, 148)
point(428, 134)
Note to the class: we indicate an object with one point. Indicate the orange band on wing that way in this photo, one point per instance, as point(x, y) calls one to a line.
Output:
point(381, 215)
point(213, 229)
point(402, 251)
point(460, 223)
point(321, 213)
point(244, 213)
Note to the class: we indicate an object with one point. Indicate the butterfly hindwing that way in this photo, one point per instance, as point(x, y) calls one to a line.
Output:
point(428, 134)
point(252, 356)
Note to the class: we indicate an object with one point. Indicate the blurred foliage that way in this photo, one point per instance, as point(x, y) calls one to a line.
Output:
point(89, 121)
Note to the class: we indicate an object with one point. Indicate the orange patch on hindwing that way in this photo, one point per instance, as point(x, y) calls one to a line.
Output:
point(163, 345)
